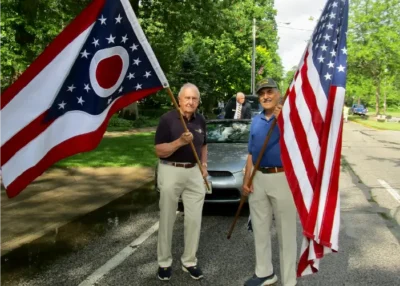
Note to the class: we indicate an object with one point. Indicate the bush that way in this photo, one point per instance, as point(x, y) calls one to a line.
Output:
point(119, 122)
point(145, 121)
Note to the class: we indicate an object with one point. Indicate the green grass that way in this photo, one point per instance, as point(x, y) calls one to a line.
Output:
point(371, 122)
point(122, 151)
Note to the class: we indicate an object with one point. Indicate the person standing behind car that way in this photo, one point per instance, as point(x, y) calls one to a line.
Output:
point(179, 175)
point(238, 109)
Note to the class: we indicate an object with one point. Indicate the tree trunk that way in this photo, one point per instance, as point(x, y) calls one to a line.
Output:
point(136, 110)
point(135, 6)
point(377, 95)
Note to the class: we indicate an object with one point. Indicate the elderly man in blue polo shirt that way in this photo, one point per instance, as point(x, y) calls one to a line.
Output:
point(270, 193)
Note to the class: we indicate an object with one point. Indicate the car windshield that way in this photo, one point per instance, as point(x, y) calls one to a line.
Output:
point(228, 132)
point(358, 106)
point(255, 104)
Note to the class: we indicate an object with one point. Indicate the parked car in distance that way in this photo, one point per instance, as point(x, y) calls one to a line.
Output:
point(359, 109)
point(252, 99)
point(227, 141)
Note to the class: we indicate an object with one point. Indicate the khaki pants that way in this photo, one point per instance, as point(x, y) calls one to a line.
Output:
point(188, 183)
point(272, 193)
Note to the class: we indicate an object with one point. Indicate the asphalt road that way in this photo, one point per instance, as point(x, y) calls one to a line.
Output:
point(369, 250)
point(374, 156)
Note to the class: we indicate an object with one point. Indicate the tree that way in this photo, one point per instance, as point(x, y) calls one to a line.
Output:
point(373, 46)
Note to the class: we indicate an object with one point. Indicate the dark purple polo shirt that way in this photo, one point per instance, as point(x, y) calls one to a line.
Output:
point(170, 128)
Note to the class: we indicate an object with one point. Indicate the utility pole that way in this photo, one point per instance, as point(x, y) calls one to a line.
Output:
point(253, 63)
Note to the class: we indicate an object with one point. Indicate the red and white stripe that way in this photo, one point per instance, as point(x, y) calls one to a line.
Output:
point(29, 146)
point(311, 136)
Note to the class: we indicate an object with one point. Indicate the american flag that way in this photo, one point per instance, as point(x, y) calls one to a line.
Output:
point(62, 103)
point(311, 135)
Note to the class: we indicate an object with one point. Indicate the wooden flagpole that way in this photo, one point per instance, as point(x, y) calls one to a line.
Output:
point(187, 130)
point(255, 168)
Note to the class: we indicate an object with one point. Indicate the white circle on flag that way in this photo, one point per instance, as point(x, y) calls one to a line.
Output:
point(97, 58)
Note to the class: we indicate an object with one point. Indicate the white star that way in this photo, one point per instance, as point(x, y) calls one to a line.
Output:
point(316, 46)
point(321, 59)
point(124, 39)
point(109, 100)
point(147, 74)
point(138, 86)
point(344, 51)
point(110, 39)
point(331, 65)
point(71, 88)
point(118, 19)
point(134, 47)
point(327, 37)
point(80, 100)
point(103, 20)
point(335, 41)
point(333, 53)
point(332, 15)
point(95, 42)
point(120, 90)
point(61, 105)
point(330, 26)
point(337, 30)
point(87, 88)
point(131, 76)
point(324, 47)
point(341, 68)
point(334, 5)
point(328, 76)
point(85, 54)
point(136, 62)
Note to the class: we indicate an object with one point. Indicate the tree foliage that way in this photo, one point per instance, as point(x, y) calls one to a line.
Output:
point(206, 42)
point(374, 53)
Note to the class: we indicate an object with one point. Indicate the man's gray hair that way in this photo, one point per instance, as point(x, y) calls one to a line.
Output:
point(189, 85)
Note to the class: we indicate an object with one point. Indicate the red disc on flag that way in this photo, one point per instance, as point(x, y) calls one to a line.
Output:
point(108, 71)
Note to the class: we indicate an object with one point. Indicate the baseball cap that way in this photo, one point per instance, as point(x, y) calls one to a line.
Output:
point(266, 82)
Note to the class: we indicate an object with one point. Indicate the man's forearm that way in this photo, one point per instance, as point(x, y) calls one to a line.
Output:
point(167, 149)
point(248, 169)
point(204, 151)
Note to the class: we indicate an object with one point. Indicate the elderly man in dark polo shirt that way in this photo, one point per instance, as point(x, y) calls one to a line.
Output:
point(269, 193)
point(179, 175)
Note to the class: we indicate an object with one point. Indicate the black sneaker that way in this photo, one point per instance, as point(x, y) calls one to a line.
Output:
point(164, 273)
point(261, 281)
point(194, 271)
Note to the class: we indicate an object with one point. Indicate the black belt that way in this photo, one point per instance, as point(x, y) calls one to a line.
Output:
point(178, 164)
point(269, 170)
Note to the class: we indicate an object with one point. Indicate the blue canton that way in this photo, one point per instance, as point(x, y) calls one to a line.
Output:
point(329, 45)
point(112, 30)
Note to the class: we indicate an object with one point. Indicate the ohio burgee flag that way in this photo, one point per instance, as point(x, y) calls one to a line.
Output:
point(60, 106)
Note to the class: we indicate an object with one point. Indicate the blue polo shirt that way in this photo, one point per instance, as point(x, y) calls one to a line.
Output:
point(258, 132)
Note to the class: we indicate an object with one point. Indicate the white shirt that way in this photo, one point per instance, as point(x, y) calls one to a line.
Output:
point(236, 116)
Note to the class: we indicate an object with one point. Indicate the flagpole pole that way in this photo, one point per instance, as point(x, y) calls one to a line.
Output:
point(187, 130)
point(255, 168)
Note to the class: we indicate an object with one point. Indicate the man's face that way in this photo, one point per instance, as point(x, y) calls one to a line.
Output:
point(240, 98)
point(189, 100)
point(268, 97)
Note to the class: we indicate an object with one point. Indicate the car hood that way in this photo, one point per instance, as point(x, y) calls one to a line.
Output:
point(227, 156)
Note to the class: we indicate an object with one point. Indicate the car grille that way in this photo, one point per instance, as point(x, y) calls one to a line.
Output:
point(224, 194)
point(220, 174)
